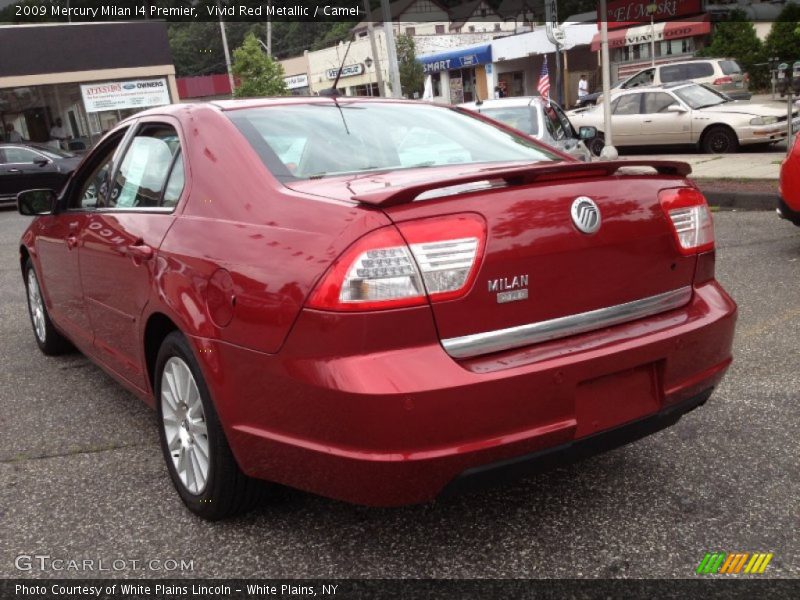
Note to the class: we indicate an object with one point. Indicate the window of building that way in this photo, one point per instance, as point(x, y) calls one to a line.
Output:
point(410, 31)
point(440, 29)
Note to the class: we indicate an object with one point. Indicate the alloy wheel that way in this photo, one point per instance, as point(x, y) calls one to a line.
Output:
point(184, 423)
point(36, 305)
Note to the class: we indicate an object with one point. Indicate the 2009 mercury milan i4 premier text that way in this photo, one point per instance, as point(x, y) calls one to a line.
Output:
point(307, 296)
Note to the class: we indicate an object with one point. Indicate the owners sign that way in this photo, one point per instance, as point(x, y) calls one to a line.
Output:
point(116, 95)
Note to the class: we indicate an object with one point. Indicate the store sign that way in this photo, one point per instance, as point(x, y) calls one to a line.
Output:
point(296, 81)
point(623, 13)
point(118, 95)
point(348, 71)
point(444, 61)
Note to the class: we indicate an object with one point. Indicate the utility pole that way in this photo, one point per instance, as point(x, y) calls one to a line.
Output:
point(225, 48)
point(269, 29)
point(556, 35)
point(374, 47)
point(391, 50)
point(609, 152)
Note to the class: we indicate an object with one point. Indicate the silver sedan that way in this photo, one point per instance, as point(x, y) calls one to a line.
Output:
point(539, 119)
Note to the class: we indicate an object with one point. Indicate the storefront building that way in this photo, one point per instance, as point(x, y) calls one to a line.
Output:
point(518, 62)
point(296, 75)
point(87, 75)
point(359, 77)
point(680, 29)
point(459, 75)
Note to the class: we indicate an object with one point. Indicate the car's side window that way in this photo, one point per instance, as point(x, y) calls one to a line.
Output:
point(553, 124)
point(21, 156)
point(657, 102)
point(142, 175)
point(627, 105)
point(672, 73)
point(643, 78)
point(93, 190)
point(699, 69)
point(565, 122)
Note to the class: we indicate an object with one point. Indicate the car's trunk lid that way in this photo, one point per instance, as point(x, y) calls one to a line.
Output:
point(537, 265)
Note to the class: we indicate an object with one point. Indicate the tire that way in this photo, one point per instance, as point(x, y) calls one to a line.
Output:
point(719, 140)
point(48, 338)
point(596, 144)
point(191, 436)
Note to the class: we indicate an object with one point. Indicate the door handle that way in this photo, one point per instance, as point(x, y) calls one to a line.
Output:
point(648, 121)
point(72, 241)
point(139, 250)
point(15, 171)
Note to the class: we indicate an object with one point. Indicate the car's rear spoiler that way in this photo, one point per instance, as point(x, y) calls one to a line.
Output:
point(515, 176)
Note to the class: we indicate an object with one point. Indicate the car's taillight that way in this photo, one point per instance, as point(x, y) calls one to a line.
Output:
point(401, 266)
point(721, 80)
point(688, 212)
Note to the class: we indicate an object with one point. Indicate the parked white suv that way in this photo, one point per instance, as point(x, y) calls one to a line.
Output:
point(721, 74)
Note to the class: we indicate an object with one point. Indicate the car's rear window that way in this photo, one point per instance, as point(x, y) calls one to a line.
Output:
point(304, 141)
point(729, 67)
point(518, 117)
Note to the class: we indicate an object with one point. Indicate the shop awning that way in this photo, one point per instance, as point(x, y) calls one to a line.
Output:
point(456, 59)
point(666, 30)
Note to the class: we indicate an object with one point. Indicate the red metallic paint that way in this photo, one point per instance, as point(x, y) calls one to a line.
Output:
point(366, 406)
point(790, 178)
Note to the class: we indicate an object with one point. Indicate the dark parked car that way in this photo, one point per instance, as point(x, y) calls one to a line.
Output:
point(308, 295)
point(27, 166)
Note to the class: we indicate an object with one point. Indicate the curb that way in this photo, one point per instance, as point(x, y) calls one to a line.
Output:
point(741, 200)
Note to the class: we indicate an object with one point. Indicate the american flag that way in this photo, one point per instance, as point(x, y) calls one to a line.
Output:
point(544, 81)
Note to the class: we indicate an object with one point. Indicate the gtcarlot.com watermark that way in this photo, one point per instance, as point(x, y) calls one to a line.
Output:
point(45, 562)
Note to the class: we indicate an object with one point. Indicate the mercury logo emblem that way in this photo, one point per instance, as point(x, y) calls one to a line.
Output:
point(585, 214)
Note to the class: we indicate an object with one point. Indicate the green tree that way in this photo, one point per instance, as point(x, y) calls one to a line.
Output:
point(412, 77)
point(736, 38)
point(783, 40)
point(259, 74)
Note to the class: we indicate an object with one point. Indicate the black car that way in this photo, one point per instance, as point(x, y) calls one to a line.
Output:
point(29, 166)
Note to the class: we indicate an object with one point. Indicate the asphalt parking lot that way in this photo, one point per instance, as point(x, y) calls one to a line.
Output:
point(82, 477)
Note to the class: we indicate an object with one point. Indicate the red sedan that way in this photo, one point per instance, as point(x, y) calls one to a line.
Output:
point(789, 187)
point(376, 301)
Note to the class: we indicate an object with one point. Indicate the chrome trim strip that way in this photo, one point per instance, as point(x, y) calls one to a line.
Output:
point(532, 333)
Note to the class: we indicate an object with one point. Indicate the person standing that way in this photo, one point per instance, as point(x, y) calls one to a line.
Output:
point(58, 134)
point(583, 87)
point(12, 135)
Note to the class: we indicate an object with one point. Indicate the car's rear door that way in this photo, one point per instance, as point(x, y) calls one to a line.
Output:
point(119, 242)
point(626, 119)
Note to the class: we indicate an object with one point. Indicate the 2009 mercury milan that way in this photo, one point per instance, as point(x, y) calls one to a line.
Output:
point(308, 295)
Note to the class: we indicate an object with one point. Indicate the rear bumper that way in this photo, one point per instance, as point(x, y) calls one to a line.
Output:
point(395, 426)
point(514, 468)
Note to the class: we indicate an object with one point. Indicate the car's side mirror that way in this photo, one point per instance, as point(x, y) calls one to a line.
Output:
point(676, 108)
point(36, 202)
point(42, 162)
point(587, 132)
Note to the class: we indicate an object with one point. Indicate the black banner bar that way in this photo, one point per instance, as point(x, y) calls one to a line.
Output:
point(707, 588)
